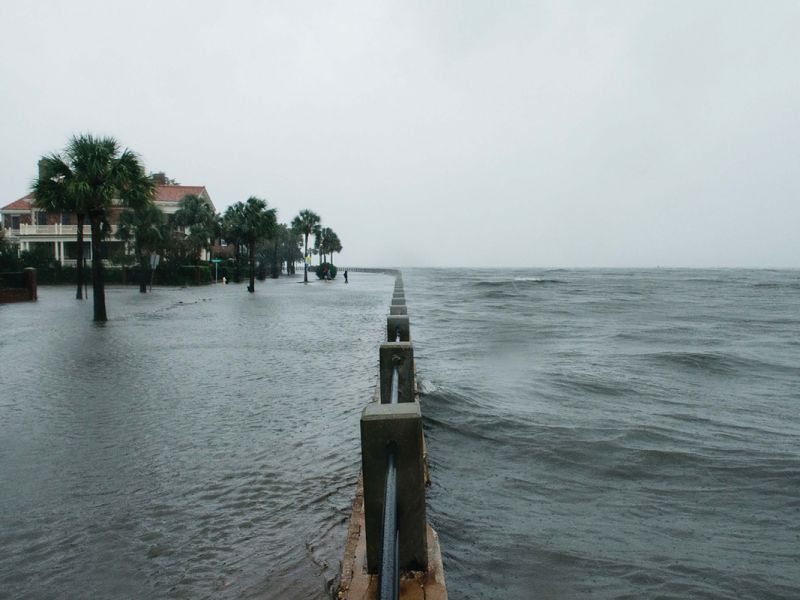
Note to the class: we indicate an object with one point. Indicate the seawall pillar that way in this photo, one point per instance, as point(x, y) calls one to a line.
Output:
point(402, 355)
point(398, 426)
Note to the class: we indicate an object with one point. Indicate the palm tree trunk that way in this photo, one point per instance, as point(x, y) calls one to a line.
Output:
point(79, 265)
point(144, 264)
point(276, 264)
point(305, 264)
point(98, 286)
point(251, 249)
point(237, 253)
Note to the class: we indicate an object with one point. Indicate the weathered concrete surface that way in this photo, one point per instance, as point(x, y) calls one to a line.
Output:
point(402, 355)
point(356, 583)
point(393, 322)
point(399, 426)
point(398, 310)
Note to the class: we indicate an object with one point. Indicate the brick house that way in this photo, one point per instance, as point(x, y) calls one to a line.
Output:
point(25, 225)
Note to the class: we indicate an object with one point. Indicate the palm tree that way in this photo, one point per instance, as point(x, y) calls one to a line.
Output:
point(55, 191)
point(198, 219)
point(292, 249)
point(319, 242)
point(97, 172)
point(332, 244)
point(255, 222)
point(146, 229)
point(233, 232)
point(304, 223)
point(279, 237)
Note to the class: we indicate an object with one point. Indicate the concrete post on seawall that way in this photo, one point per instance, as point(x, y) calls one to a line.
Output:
point(399, 426)
point(398, 324)
point(394, 473)
point(29, 279)
point(401, 355)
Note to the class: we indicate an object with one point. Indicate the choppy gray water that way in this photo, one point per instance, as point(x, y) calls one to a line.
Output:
point(202, 444)
point(612, 434)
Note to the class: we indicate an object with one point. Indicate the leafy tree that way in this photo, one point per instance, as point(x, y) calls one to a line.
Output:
point(161, 178)
point(199, 222)
point(305, 223)
point(58, 189)
point(8, 254)
point(96, 172)
point(146, 229)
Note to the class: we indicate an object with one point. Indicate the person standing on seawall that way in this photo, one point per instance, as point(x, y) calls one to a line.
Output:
point(345, 275)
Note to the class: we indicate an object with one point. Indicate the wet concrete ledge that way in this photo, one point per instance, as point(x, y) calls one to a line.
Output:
point(357, 584)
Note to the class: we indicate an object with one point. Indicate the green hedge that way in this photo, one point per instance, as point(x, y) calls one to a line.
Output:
point(166, 274)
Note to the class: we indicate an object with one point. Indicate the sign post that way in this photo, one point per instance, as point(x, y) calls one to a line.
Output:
point(216, 262)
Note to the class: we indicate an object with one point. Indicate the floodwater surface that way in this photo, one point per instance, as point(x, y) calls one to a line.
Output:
point(201, 444)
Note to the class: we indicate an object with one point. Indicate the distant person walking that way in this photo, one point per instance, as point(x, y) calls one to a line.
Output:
point(345, 275)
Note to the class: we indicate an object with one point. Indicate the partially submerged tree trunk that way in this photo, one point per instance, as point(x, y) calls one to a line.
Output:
point(251, 249)
point(144, 265)
point(305, 264)
point(237, 253)
point(79, 264)
point(276, 262)
point(98, 286)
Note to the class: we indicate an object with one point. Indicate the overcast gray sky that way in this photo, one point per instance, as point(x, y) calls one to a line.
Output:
point(440, 133)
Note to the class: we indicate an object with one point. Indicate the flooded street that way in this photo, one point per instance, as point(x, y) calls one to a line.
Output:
point(202, 443)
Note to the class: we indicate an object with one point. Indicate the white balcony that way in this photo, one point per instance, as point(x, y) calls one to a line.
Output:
point(57, 229)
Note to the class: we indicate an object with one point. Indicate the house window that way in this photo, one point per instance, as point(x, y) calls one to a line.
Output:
point(41, 218)
point(65, 218)
point(14, 222)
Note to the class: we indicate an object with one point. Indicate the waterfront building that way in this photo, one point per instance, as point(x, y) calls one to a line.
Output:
point(27, 226)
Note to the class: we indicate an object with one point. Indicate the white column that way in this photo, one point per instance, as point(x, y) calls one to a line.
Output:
point(55, 252)
point(61, 252)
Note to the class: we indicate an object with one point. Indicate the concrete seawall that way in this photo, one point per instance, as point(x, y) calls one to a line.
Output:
point(399, 425)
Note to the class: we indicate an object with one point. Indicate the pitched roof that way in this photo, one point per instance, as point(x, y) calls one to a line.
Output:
point(164, 193)
point(23, 203)
point(175, 193)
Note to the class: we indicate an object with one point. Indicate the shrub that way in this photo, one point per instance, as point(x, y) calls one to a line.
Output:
point(331, 270)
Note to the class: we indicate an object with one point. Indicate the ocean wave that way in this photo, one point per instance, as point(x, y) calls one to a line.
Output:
point(721, 363)
point(789, 285)
point(515, 282)
point(712, 362)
